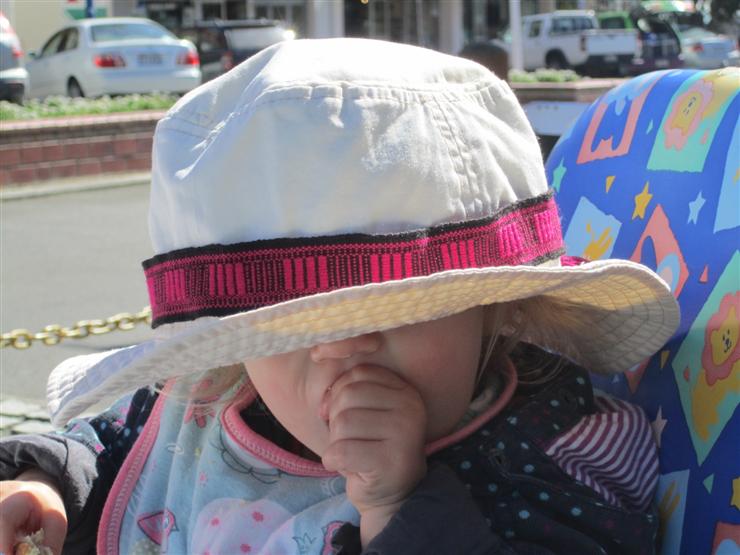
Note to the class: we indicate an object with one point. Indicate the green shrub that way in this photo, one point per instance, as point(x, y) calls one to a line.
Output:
point(56, 106)
point(543, 75)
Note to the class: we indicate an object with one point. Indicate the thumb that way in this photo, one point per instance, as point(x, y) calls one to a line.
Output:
point(19, 513)
point(27, 511)
point(54, 525)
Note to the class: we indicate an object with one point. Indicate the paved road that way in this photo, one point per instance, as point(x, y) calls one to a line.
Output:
point(66, 258)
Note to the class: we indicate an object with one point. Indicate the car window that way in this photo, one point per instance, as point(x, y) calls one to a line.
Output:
point(254, 38)
point(682, 20)
point(52, 45)
point(72, 39)
point(697, 33)
point(534, 29)
point(127, 31)
point(210, 39)
point(562, 25)
point(189, 34)
point(583, 23)
point(612, 23)
point(69, 40)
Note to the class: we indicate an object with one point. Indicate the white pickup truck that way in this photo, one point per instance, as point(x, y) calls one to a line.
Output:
point(572, 39)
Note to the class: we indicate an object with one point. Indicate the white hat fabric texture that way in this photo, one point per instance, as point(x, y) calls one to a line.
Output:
point(328, 188)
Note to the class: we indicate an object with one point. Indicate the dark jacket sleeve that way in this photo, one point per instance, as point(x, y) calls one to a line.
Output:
point(440, 516)
point(84, 459)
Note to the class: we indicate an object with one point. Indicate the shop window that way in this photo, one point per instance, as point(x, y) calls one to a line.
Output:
point(211, 11)
point(236, 9)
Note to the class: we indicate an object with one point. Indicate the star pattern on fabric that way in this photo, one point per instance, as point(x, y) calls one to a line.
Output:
point(609, 182)
point(664, 358)
point(658, 424)
point(557, 175)
point(695, 207)
point(736, 493)
point(641, 202)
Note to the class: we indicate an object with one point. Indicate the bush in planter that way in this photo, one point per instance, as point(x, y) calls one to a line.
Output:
point(544, 75)
point(56, 106)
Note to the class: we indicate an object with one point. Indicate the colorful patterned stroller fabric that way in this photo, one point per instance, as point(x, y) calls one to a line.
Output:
point(651, 172)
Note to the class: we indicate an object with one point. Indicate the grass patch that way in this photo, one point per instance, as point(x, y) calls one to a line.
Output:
point(57, 106)
point(544, 75)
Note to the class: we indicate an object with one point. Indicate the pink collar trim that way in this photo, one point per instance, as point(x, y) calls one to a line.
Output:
point(246, 438)
point(496, 407)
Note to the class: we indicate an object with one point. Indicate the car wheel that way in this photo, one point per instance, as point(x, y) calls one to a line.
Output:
point(74, 90)
point(556, 60)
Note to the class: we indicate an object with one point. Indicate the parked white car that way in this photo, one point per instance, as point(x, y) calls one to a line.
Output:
point(572, 39)
point(116, 55)
point(13, 76)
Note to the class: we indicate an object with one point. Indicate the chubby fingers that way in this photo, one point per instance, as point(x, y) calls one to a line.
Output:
point(369, 387)
point(372, 413)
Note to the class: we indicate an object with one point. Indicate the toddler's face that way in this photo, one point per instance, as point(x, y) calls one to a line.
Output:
point(438, 358)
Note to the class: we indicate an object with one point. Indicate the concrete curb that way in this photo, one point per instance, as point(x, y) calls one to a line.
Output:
point(73, 185)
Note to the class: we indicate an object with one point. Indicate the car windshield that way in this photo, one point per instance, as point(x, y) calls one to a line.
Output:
point(697, 33)
point(128, 31)
point(250, 38)
point(683, 20)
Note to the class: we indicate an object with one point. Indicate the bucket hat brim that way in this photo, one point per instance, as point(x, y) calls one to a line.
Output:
point(629, 311)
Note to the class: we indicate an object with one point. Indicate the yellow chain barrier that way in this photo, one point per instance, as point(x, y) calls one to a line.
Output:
point(54, 334)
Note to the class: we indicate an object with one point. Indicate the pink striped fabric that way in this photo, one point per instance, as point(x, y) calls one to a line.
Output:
point(225, 279)
point(613, 452)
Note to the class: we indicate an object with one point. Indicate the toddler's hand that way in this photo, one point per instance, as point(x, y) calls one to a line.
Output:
point(377, 428)
point(27, 504)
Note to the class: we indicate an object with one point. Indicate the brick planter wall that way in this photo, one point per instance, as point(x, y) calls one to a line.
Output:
point(40, 150)
point(586, 90)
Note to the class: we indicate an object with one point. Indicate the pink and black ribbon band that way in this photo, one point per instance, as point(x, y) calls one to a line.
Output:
point(218, 280)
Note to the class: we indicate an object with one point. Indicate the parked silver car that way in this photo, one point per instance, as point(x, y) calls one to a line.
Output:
point(13, 76)
point(700, 47)
point(116, 55)
point(704, 49)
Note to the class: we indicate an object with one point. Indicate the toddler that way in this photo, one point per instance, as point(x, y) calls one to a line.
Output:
point(368, 339)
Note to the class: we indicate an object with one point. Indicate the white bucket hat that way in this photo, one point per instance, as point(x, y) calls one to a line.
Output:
point(329, 188)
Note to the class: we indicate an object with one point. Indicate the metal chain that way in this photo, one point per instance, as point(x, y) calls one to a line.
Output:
point(54, 334)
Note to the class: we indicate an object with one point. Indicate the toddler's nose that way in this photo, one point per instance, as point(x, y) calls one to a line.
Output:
point(346, 348)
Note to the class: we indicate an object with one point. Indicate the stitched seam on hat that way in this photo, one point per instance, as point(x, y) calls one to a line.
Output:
point(442, 88)
point(462, 148)
point(388, 94)
point(453, 150)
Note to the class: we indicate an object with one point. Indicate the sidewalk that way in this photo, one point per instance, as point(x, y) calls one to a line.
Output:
point(19, 416)
point(73, 184)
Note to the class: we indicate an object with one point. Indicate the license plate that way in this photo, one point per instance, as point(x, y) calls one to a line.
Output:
point(149, 59)
point(610, 58)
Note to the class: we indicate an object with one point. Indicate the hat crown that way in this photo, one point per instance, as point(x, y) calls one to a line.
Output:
point(327, 137)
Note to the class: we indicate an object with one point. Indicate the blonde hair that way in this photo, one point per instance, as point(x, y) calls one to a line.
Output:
point(509, 325)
